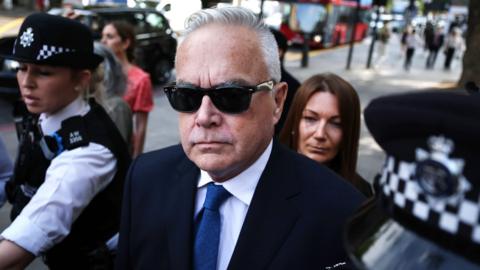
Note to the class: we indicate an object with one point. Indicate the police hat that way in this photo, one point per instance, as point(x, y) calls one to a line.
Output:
point(52, 40)
point(426, 213)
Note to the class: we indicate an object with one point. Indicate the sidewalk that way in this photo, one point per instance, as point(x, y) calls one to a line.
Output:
point(390, 73)
point(10, 20)
point(15, 12)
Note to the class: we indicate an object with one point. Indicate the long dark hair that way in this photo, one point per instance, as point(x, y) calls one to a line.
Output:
point(126, 32)
point(345, 163)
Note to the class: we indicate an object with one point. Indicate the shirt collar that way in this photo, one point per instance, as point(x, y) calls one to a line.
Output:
point(243, 185)
point(50, 123)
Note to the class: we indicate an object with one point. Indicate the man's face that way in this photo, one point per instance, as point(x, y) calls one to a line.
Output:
point(220, 143)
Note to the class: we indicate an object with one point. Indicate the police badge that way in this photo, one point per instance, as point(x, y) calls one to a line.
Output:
point(27, 37)
point(437, 174)
point(426, 213)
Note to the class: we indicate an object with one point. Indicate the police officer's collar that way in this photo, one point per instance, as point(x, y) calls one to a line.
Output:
point(50, 123)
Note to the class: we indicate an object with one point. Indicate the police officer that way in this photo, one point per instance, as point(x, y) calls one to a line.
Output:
point(67, 184)
point(427, 211)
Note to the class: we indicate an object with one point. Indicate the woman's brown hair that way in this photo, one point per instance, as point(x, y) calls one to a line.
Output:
point(345, 162)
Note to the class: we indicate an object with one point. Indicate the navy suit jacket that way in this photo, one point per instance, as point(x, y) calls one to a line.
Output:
point(295, 219)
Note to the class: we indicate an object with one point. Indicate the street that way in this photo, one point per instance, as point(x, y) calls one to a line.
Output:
point(389, 78)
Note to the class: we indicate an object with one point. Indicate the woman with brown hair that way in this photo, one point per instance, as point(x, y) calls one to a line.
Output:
point(324, 125)
point(119, 36)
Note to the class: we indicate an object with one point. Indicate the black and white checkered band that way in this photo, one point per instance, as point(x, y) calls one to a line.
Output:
point(457, 214)
point(47, 51)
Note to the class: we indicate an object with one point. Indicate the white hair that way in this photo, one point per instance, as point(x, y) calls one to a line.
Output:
point(239, 16)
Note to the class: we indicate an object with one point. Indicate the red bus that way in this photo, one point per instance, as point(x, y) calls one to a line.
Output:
point(328, 22)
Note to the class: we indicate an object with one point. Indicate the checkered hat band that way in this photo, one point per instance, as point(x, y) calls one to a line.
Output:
point(47, 51)
point(458, 215)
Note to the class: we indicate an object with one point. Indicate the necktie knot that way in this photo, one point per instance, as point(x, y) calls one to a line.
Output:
point(216, 195)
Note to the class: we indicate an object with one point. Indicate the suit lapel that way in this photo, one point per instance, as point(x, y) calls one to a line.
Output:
point(179, 231)
point(271, 215)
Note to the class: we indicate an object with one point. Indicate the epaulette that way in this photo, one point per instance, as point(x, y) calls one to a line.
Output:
point(71, 135)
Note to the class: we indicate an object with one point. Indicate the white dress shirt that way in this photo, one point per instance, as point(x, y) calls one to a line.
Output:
point(234, 209)
point(72, 180)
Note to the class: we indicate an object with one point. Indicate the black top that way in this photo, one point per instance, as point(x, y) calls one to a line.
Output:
point(363, 186)
point(293, 85)
point(294, 220)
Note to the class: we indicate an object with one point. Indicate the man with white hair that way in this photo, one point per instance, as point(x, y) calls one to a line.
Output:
point(230, 196)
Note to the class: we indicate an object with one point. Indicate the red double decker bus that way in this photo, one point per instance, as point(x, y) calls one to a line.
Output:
point(327, 22)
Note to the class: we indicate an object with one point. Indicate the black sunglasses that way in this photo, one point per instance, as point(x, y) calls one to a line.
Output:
point(229, 98)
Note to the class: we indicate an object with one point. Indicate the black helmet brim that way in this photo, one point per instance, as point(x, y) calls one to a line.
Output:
point(374, 240)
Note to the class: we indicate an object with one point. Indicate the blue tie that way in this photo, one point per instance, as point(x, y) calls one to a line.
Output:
point(207, 237)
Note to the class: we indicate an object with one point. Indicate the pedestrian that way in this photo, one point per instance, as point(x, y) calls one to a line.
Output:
point(428, 34)
point(324, 125)
point(383, 38)
point(454, 47)
point(434, 46)
point(285, 76)
point(264, 206)
point(412, 41)
point(403, 38)
point(426, 211)
point(68, 178)
point(109, 82)
point(8, 4)
point(6, 170)
point(42, 5)
point(457, 22)
point(119, 36)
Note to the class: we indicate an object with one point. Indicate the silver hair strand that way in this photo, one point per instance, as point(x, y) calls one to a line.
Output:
point(239, 16)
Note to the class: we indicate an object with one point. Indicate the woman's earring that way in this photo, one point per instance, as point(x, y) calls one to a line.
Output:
point(77, 88)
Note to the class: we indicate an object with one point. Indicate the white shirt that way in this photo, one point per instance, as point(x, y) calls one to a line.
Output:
point(234, 209)
point(413, 40)
point(72, 180)
point(455, 42)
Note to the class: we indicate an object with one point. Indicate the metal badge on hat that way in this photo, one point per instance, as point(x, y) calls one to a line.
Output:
point(440, 176)
point(434, 190)
point(26, 38)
